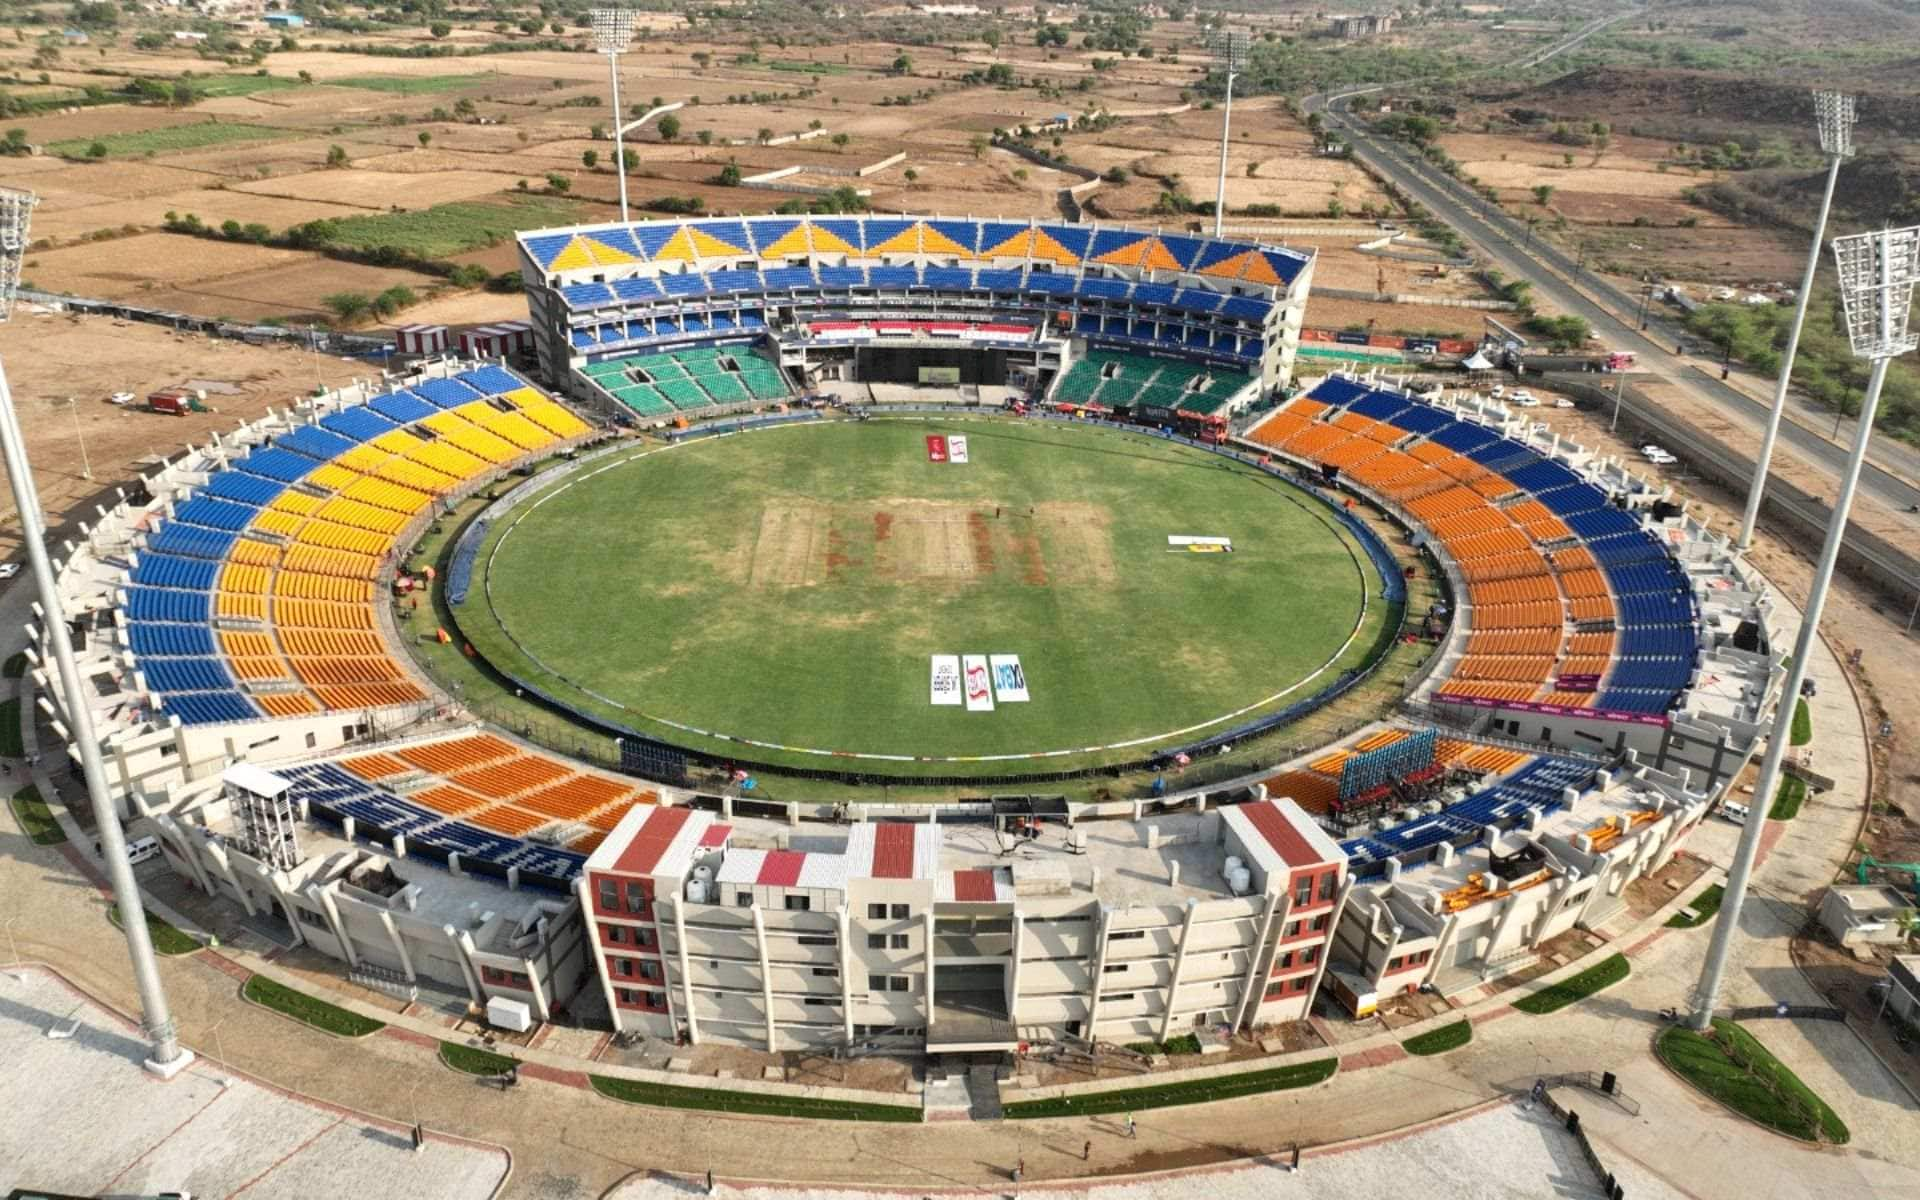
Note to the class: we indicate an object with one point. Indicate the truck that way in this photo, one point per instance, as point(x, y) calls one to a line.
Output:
point(1595, 360)
point(176, 401)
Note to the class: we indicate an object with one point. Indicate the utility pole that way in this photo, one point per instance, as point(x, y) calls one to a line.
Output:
point(86, 464)
point(1230, 52)
point(168, 1058)
point(1877, 275)
point(1833, 111)
point(612, 34)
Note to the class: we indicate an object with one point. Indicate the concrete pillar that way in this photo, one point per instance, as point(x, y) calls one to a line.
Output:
point(513, 879)
point(1179, 968)
point(599, 961)
point(1013, 969)
point(541, 1008)
point(224, 860)
point(1259, 955)
point(926, 930)
point(453, 865)
point(1099, 965)
point(324, 898)
point(845, 932)
point(349, 824)
point(400, 851)
point(1326, 947)
point(766, 972)
point(463, 951)
point(1508, 911)
point(400, 947)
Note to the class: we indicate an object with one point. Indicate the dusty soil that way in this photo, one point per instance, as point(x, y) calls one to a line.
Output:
point(51, 358)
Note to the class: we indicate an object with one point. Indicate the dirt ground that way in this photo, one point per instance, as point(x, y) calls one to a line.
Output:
point(51, 358)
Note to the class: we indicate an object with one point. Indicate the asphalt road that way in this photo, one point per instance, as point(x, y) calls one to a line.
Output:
point(1504, 244)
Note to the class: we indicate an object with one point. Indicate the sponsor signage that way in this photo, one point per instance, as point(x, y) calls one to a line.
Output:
point(936, 448)
point(957, 448)
point(975, 678)
point(1178, 542)
point(944, 681)
point(1009, 680)
point(948, 375)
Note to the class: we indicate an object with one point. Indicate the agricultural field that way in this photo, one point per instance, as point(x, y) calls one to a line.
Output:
point(832, 561)
point(165, 141)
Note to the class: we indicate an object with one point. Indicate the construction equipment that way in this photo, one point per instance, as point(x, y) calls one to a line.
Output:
point(1868, 862)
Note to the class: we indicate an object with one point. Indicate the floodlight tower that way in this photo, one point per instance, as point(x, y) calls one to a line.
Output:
point(612, 34)
point(1229, 49)
point(168, 1057)
point(1833, 111)
point(1877, 276)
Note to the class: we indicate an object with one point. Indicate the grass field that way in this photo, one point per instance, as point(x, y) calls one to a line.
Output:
point(1441, 1040)
point(167, 939)
point(665, 1095)
point(1787, 800)
point(1739, 1072)
point(169, 140)
point(449, 229)
point(311, 1011)
point(790, 586)
point(1557, 996)
point(412, 85)
point(1703, 909)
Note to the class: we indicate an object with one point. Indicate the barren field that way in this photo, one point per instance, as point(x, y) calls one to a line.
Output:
point(52, 358)
point(378, 190)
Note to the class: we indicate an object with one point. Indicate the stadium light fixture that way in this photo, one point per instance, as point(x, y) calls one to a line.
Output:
point(1229, 50)
point(1878, 272)
point(168, 1056)
point(612, 34)
point(1834, 115)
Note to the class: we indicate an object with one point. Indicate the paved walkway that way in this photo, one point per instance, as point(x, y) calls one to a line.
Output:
point(569, 1142)
point(110, 1128)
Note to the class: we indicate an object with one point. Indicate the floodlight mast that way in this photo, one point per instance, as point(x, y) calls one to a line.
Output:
point(1877, 276)
point(612, 34)
point(1230, 51)
point(1833, 112)
point(168, 1057)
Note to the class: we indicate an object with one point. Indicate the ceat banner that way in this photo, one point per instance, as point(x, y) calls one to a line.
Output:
point(1009, 681)
point(957, 449)
point(945, 682)
point(979, 690)
point(936, 448)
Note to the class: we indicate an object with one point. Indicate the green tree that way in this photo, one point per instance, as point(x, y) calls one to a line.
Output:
point(1542, 193)
point(393, 300)
point(729, 176)
point(97, 150)
point(669, 128)
point(705, 136)
point(439, 29)
point(336, 156)
point(425, 138)
point(902, 65)
point(590, 159)
point(558, 183)
point(348, 306)
point(701, 58)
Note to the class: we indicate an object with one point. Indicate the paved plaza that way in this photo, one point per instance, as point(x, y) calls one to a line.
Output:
point(83, 1118)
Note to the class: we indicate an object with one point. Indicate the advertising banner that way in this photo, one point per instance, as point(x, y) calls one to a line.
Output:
point(957, 448)
point(979, 689)
point(948, 375)
point(1183, 539)
point(1009, 681)
point(936, 448)
point(945, 679)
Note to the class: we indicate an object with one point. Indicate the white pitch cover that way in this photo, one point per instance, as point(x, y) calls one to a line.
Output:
point(1009, 681)
point(957, 448)
point(945, 680)
point(1181, 539)
point(979, 690)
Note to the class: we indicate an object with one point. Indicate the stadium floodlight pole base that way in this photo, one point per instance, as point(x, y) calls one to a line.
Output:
point(167, 1051)
point(167, 1070)
point(1758, 488)
point(1707, 994)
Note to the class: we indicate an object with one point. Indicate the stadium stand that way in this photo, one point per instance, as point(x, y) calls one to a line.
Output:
point(687, 381)
point(1570, 601)
point(282, 549)
point(1109, 379)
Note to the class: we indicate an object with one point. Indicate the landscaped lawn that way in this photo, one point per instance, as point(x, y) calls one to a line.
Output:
point(1704, 906)
point(10, 743)
point(166, 938)
point(1441, 1040)
point(1186, 1043)
point(661, 1095)
point(36, 819)
point(1578, 987)
point(302, 1007)
point(1802, 724)
point(1787, 801)
point(1735, 1069)
point(473, 1060)
point(1197, 1091)
point(168, 140)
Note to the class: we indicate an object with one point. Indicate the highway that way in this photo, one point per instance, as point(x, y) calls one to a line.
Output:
point(1504, 244)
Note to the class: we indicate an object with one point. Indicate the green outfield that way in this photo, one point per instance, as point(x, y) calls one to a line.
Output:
point(789, 586)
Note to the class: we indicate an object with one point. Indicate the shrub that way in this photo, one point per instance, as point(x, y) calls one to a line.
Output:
point(1441, 1040)
point(1557, 996)
point(304, 1008)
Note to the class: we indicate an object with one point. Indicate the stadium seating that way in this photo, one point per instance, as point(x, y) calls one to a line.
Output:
point(1570, 601)
point(689, 380)
point(1113, 379)
point(283, 548)
point(1515, 785)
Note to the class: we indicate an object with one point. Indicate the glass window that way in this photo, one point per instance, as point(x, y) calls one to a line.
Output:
point(1310, 955)
point(744, 899)
point(609, 895)
point(1320, 922)
point(1327, 884)
point(799, 903)
point(901, 912)
point(876, 941)
point(649, 969)
point(623, 967)
point(655, 999)
point(876, 983)
point(898, 983)
point(636, 899)
point(644, 937)
point(1303, 893)
point(876, 912)
point(617, 934)
point(899, 941)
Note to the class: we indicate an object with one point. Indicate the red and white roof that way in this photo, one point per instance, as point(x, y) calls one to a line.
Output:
point(783, 868)
point(1280, 837)
point(892, 850)
point(653, 842)
point(978, 885)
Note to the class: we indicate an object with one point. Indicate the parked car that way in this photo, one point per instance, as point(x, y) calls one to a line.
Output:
point(121, 399)
point(1563, 402)
point(1734, 811)
point(1523, 398)
point(8, 570)
point(1497, 390)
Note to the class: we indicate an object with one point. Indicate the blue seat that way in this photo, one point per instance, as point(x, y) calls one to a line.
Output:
point(447, 393)
point(1197, 300)
point(640, 288)
point(208, 708)
point(214, 514)
point(1337, 392)
point(894, 278)
point(164, 570)
point(1246, 308)
point(401, 407)
point(193, 541)
point(996, 280)
point(586, 295)
point(168, 604)
point(185, 674)
point(316, 443)
point(361, 423)
point(162, 638)
point(690, 283)
point(491, 380)
point(283, 466)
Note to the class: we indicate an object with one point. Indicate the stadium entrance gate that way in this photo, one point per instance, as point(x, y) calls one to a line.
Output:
point(950, 365)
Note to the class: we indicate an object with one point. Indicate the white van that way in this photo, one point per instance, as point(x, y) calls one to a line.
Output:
point(1734, 811)
point(139, 850)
